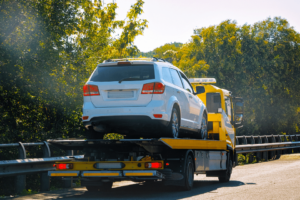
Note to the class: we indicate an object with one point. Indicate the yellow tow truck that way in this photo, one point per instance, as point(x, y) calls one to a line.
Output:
point(225, 112)
point(171, 161)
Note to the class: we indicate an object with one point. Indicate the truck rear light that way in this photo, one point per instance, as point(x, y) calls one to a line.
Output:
point(64, 166)
point(85, 117)
point(157, 115)
point(148, 88)
point(159, 88)
point(153, 165)
point(90, 90)
point(153, 88)
point(109, 165)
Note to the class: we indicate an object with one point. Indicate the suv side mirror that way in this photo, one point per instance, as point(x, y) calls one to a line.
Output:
point(238, 112)
point(199, 90)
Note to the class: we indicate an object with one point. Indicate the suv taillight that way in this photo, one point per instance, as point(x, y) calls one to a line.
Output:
point(90, 90)
point(153, 88)
point(159, 88)
point(147, 88)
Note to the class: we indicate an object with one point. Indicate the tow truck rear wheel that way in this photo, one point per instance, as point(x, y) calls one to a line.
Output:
point(226, 174)
point(189, 174)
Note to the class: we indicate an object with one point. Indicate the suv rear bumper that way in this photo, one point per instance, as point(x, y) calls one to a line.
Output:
point(124, 120)
point(141, 126)
point(155, 107)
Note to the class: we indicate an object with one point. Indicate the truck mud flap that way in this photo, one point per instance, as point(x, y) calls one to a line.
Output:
point(63, 173)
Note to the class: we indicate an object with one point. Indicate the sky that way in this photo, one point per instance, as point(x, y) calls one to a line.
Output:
point(175, 20)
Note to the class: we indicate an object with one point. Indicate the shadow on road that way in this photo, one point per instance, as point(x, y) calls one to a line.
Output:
point(157, 191)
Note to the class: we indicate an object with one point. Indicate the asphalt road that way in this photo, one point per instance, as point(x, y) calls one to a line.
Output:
point(278, 179)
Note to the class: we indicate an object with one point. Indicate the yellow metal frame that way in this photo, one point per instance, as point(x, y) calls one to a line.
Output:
point(64, 174)
point(129, 165)
point(139, 174)
point(101, 174)
point(195, 144)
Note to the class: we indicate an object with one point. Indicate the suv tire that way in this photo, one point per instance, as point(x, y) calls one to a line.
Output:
point(172, 129)
point(202, 133)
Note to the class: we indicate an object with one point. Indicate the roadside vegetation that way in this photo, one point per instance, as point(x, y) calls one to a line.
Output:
point(259, 62)
point(48, 49)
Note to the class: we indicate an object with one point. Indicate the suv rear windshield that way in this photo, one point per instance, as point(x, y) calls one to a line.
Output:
point(119, 72)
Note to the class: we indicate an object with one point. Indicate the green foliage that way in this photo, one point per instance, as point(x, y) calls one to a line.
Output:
point(148, 54)
point(244, 159)
point(28, 192)
point(113, 136)
point(78, 182)
point(259, 62)
point(241, 159)
point(167, 51)
point(48, 49)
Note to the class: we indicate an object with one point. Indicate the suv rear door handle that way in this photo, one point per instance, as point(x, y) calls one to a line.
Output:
point(190, 96)
point(178, 91)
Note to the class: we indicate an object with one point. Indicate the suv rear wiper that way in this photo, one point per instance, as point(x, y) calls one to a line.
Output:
point(130, 79)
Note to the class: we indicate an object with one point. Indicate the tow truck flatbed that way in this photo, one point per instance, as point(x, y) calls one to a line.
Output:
point(171, 143)
point(174, 161)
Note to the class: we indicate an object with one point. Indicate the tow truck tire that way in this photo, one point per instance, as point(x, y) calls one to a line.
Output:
point(172, 130)
point(189, 174)
point(226, 174)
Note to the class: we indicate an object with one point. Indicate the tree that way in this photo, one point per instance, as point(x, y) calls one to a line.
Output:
point(259, 62)
point(48, 49)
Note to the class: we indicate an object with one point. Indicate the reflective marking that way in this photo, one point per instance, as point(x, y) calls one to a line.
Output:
point(64, 174)
point(101, 174)
point(138, 174)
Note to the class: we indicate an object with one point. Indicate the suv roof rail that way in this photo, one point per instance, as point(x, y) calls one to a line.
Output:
point(132, 59)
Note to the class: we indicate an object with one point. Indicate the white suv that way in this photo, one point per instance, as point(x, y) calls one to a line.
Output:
point(141, 98)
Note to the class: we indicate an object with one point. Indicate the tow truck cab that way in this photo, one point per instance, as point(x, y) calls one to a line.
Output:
point(225, 112)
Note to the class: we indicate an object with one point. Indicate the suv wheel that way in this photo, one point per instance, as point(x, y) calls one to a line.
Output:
point(202, 133)
point(173, 127)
